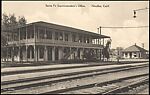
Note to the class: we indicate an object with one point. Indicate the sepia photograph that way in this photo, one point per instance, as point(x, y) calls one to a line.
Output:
point(75, 47)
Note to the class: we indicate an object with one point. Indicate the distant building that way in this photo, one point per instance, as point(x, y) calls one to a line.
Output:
point(135, 51)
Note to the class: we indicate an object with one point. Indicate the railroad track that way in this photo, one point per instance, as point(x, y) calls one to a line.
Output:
point(129, 87)
point(4, 73)
point(49, 69)
point(26, 83)
point(115, 90)
point(60, 75)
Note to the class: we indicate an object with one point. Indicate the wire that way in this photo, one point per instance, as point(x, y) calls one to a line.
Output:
point(127, 27)
point(141, 9)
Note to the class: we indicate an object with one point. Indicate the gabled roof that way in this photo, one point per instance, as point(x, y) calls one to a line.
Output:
point(134, 48)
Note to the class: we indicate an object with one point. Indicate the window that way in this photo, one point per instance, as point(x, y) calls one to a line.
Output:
point(9, 52)
point(66, 36)
point(49, 34)
point(56, 35)
point(73, 37)
point(16, 36)
point(22, 33)
point(32, 53)
point(80, 38)
point(84, 39)
point(126, 54)
point(30, 32)
point(41, 50)
point(88, 40)
point(15, 51)
point(30, 50)
point(21, 36)
point(134, 55)
point(28, 53)
point(41, 33)
point(61, 36)
point(49, 53)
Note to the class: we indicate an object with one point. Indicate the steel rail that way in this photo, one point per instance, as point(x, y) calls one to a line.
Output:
point(71, 78)
point(93, 84)
point(126, 88)
point(59, 68)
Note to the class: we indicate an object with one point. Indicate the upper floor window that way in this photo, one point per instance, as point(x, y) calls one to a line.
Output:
point(73, 37)
point(22, 33)
point(84, 39)
point(60, 36)
point(66, 36)
point(49, 34)
point(15, 35)
point(56, 35)
point(30, 32)
point(41, 33)
point(88, 40)
point(93, 41)
point(9, 37)
point(80, 38)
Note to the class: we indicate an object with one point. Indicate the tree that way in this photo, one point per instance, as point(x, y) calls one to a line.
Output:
point(9, 22)
point(5, 20)
point(22, 21)
point(12, 21)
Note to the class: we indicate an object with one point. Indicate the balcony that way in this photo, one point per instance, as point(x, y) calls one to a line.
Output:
point(67, 43)
point(22, 42)
point(54, 43)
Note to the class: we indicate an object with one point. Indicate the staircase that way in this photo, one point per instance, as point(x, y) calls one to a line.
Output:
point(66, 56)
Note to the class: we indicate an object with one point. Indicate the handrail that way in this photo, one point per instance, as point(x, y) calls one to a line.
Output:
point(55, 42)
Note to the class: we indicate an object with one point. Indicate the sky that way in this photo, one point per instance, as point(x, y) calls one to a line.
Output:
point(93, 15)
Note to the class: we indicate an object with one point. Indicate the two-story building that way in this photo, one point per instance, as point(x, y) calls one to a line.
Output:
point(42, 41)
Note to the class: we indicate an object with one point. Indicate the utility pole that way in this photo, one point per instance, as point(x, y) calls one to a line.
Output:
point(143, 45)
point(117, 56)
point(100, 34)
point(99, 41)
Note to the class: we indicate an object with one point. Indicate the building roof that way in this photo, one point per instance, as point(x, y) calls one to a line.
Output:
point(134, 48)
point(65, 28)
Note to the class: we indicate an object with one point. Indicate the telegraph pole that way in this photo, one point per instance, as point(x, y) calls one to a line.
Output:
point(100, 33)
point(100, 42)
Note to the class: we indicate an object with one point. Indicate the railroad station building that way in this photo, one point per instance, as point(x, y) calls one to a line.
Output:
point(42, 41)
point(135, 51)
